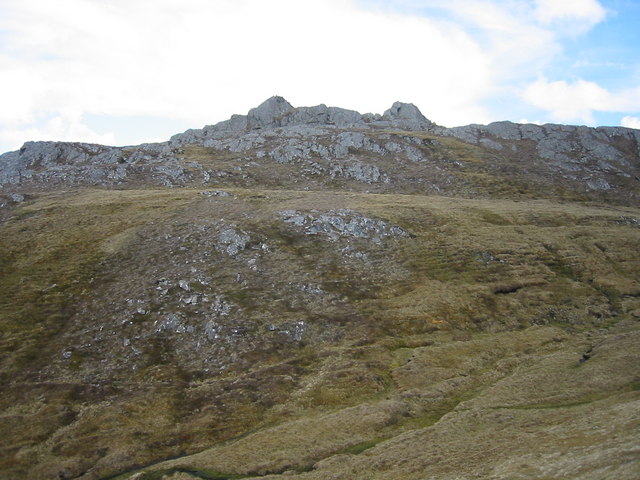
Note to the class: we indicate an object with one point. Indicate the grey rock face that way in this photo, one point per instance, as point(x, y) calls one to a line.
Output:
point(407, 111)
point(212, 330)
point(346, 141)
point(293, 330)
point(591, 157)
point(276, 112)
point(215, 193)
point(273, 113)
point(342, 224)
point(318, 144)
point(407, 115)
point(70, 163)
point(551, 139)
point(323, 115)
point(231, 241)
point(268, 113)
point(12, 168)
point(237, 123)
point(359, 171)
point(506, 130)
point(11, 200)
point(598, 184)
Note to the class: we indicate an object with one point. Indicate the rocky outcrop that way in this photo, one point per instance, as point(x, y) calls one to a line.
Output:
point(555, 142)
point(276, 112)
point(408, 116)
point(599, 157)
point(552, 140)
point(323, 115)
point(231, 241)
point(343, 224)
point(319, 146)
point(268, 113)
point(67, 163)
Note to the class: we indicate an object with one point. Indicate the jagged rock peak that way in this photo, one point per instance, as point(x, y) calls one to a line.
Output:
point(268, 112)
point(406, 113)
point(276, 112)
point(404, 110)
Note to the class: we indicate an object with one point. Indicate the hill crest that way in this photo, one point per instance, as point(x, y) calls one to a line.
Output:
point(311, 293)
point(276, 144)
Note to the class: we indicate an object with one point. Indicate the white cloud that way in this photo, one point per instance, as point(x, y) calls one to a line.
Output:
point(527, 121)
point(201, 61)
point(631, 122)
point(577, 101)
point(580, 15)
point(18, 81)
point(59, 128)
point(515, 45)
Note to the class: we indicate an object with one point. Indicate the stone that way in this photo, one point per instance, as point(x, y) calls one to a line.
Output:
point(487, 142)
point(342, 224)
point(505, 130)
point(322, 143)
point(268, 113)
point(232, 242)
point(598, 184)
point(567, 149)
point(357, 170)
point(171, 323)
point(74, 163)
point(414, 155)
point(322, 115)
point(215, 193)
point(212, 330)
point(407, 115)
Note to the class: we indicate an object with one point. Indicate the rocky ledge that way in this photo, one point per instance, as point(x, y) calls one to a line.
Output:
point(321, 147)
point(276, 112)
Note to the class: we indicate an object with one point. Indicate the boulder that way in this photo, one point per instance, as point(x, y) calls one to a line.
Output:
point(407, 115)
point(268, 114)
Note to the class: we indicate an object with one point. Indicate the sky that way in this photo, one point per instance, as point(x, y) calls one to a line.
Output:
point(124, 72)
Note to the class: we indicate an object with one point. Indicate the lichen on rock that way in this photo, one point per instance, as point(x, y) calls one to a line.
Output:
point(343, 223)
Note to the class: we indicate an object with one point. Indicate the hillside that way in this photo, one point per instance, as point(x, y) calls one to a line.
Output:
point(314, 293)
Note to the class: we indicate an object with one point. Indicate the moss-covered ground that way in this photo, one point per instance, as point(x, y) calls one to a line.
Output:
point(498, 339)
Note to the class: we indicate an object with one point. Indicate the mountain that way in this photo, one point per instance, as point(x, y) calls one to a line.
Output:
point(278, 146)
point(314, 293)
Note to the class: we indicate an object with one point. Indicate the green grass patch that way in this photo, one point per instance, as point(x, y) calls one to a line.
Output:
point(358, 448)
point(196, 473)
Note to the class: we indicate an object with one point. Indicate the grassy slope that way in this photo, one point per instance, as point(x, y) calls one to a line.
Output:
point(476, 324)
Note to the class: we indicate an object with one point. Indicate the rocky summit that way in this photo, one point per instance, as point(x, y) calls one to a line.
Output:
point(314, 293)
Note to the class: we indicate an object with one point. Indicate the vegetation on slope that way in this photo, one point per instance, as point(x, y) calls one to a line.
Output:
point(140, 325)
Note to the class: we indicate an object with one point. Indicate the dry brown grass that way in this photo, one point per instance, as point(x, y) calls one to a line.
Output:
point(420, 352)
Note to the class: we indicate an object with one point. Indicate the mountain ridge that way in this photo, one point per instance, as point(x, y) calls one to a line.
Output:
point(316, 143)
point(311, 293)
